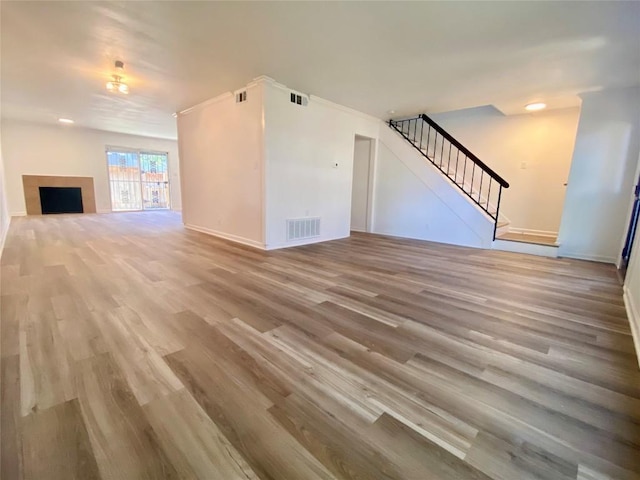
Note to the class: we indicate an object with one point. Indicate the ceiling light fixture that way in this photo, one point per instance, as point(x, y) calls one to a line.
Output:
point(117, 85)
point(65, 120)
point(532, 107)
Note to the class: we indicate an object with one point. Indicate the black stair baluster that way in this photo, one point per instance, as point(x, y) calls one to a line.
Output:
point(473, 174)
point(404, 128)
point(464, 172)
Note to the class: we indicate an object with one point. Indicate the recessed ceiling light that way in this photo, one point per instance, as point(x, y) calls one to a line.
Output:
point(392, 112)
point(532, 107)
point(65, 120)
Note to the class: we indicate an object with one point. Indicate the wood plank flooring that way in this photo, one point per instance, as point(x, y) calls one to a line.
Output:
point(132, 348)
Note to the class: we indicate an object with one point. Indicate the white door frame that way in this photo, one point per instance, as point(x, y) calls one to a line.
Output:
point(370, 180)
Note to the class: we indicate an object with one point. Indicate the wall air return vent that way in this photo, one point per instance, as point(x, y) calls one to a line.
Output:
point(299, 99)
point(241, 96)
point(301, 228)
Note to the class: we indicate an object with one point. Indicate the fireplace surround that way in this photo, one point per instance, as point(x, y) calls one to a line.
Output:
point(32, 184)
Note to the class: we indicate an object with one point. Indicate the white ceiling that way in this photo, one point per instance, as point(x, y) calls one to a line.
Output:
point(375, 57)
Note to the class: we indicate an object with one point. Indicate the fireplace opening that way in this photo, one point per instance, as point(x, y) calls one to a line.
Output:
point(61, 200)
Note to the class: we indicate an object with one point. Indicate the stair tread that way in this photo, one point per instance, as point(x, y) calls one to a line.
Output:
point(528, 238)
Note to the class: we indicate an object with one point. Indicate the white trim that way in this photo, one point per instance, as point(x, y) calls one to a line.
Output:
point(228, 95)
point(634, 320)
point(370, 182)
point(23, 213)
point(337, 106)
point(4, 237)
point(306, 241)
point(587, 256)
point(313, 98)
point(211, 101)
point(527, 231)
point(226, 236)
point(264, 79)
point(422, 239)
point(525, 247)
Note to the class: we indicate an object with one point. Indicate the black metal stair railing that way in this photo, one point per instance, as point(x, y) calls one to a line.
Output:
point(478, 182)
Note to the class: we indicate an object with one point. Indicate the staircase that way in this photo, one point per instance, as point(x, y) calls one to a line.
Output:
point(473, 177)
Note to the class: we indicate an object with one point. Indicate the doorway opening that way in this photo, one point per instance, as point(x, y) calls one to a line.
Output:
point(361, 191)
point(138, 180)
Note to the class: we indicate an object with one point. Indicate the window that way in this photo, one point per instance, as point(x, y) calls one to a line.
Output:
point(138, 180)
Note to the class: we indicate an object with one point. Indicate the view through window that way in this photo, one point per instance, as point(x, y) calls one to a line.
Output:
point(138, 180)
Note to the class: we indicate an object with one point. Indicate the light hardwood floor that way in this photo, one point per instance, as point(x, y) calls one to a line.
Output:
point(134, 349)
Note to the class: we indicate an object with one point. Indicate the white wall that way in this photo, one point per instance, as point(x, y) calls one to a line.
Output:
point(543, 141)
point(413, 199)
point(632, 292)
point(247, 168)
point(632, 279)
point(602, 175)
point(303, 144)
point(221, 148)
point(360, 186)
point(35, 149)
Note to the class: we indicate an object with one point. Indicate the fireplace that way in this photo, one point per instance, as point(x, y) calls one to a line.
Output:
point(61, 200)
point(49, 194)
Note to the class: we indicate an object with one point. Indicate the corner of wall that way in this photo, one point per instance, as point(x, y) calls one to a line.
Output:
point(634, 320)
point(227, 236)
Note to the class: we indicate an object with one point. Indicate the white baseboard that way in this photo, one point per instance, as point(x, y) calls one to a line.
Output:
point(634, 320)
point(227, 236)
point(18, 214)
point(528, 231)
point(586, 256)
point(3, 236)
point(528, 248)
point(104, 210)
point(300, 243)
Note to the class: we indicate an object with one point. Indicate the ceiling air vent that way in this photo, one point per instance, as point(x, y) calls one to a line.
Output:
point(241, 96)
point(301, 228)
point(298, 99)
